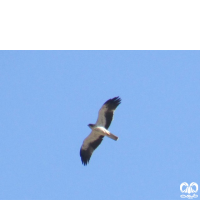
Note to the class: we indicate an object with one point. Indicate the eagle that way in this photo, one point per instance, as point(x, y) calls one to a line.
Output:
point(99, 130)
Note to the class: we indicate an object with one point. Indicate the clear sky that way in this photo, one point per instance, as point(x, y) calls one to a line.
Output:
point(49, 97)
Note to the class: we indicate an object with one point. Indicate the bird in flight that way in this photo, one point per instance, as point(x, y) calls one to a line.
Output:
point(99, 130)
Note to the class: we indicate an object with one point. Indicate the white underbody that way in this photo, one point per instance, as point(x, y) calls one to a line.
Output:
point(101, 130)
point(96, 132)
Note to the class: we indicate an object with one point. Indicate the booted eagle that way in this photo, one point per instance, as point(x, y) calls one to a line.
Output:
point(99, 130)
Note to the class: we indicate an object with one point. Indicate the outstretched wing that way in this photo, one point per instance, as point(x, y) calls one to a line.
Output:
point(89, 145)
point(107, 111)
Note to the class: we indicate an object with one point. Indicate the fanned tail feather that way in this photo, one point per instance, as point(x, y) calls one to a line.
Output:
point(112, 136)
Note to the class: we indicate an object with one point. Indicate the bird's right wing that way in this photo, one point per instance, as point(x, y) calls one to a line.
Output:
point(89, 145)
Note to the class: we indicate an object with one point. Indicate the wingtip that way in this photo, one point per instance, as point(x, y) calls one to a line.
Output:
point(84, 159)
point(84, 162)
point(115, 100)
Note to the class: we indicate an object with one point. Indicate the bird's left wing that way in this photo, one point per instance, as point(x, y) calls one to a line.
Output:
point(107, 111)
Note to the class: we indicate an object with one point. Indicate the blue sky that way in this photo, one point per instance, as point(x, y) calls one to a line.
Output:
point(49, 97)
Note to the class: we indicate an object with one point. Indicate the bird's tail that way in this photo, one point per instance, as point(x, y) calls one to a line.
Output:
point(114, 137)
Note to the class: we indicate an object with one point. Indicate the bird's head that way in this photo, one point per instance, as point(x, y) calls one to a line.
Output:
point(91, 125)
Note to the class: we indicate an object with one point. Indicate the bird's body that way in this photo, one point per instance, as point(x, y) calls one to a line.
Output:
point(99, 130)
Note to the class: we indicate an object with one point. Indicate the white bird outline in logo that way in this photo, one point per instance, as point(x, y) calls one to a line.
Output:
point(189, 189)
